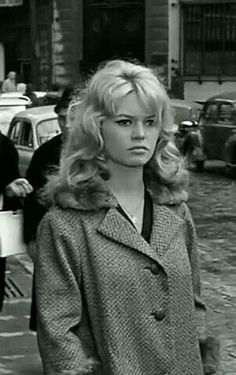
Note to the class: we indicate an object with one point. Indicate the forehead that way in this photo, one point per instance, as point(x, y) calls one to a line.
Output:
point(132, 105)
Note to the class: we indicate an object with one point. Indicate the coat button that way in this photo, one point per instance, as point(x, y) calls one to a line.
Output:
point(160, 314)
point(155, 269)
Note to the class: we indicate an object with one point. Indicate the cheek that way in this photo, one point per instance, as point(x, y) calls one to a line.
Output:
point(153, 137)
point(112, 139)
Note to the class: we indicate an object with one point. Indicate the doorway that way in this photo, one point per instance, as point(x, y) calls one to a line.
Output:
point(112, 29)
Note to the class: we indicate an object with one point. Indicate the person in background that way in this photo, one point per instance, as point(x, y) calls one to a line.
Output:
point(21, 87)
point(12, 187)
point(9, 84)
point(45, 159)
point(29, 91)
point(117, 273)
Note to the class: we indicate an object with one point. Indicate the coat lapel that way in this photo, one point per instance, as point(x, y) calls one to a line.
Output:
point(166, 225)
point(118, 229)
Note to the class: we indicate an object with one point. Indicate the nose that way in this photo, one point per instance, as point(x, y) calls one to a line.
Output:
point(138, 130)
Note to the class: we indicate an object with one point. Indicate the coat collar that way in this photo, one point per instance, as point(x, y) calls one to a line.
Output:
point(96, 195)
point(165, 226)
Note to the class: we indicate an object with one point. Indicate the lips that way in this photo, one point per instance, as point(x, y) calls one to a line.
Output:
point(138, 148)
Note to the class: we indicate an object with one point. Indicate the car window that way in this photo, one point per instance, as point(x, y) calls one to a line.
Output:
point(210, 113)
point(47, 129)
point(26, 138)
point(14, 134)
point(226, 113)
point(181, 114)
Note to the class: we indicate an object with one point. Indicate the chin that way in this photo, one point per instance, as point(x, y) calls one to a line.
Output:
point(136, 163)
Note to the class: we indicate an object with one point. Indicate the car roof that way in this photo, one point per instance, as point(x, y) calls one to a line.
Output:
point(184, 103)
point(228, 95)
point(10, 102)
point(38, 113)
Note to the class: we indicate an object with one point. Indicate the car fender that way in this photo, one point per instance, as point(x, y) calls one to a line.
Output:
point(230, 150)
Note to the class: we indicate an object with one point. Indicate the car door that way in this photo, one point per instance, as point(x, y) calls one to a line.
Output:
point(207, 123)
point(226, 125)
point(217, 124)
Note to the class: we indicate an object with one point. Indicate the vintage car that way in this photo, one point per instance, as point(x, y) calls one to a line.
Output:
point(184, 110)
point(16, 95)
point(188, 137)
point(9, 106)
point(31, 128)
point(218, 128)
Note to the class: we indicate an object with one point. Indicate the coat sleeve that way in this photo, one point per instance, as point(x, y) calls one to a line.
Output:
point(209, 346)
point(9, 172)
point(33, 211)
point(64, 337)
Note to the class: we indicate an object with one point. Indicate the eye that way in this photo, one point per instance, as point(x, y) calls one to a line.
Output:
point(150, 122)
point(123, 122)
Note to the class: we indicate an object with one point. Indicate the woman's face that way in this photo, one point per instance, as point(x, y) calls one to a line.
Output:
point(130, 136)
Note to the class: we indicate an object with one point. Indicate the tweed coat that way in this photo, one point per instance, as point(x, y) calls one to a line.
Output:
point(108, 302)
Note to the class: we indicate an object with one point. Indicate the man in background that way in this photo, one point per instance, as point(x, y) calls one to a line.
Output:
point(45, 159)
point(9, 84)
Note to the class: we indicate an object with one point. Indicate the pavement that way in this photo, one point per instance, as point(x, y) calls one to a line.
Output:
point(212, 202)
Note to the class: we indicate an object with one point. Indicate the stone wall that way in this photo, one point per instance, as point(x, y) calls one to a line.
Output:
point(156, 40)
point(67, 38)
point(66, 41)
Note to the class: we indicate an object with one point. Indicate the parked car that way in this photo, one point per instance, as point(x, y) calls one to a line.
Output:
point(9, 106)
point(16, 95)
point(184, 110)
point(40, 95)
point(188, 136)
point(31, 128)
point(218, 128)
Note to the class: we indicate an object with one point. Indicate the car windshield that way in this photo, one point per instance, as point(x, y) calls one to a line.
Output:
point(6, 115)
point(47, 129)
point(187, 113)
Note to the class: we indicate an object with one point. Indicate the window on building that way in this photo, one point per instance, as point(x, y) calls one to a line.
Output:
point(209, 39)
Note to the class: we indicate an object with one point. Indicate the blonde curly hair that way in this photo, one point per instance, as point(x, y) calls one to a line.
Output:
point(83, 157)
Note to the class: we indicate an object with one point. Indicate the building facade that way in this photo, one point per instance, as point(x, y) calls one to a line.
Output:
point(26, 40)
point(191, 43)
point(202, 46)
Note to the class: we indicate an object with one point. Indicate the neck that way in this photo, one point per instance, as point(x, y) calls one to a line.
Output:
point(125, 179)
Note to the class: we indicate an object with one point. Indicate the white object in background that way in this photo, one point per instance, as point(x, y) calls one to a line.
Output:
point(11, 233)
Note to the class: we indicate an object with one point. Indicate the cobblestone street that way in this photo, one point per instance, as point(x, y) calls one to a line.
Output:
point(212, 201)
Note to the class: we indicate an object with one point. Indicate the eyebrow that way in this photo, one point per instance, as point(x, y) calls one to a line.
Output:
point(130, 116)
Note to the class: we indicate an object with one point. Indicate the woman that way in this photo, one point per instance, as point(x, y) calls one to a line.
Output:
point(12, 187)
point(117, 278)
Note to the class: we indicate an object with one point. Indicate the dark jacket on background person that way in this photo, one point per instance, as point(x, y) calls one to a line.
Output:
point(45, 159)
point(8, 172)
point(31, 95)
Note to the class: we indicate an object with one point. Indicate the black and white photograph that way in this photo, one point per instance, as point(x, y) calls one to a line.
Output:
point(117, 187)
